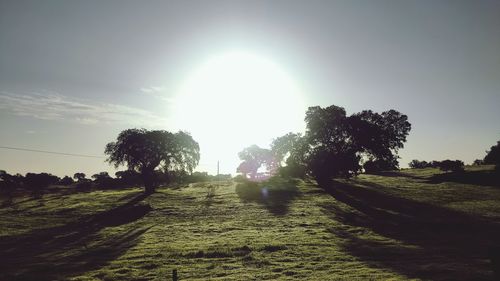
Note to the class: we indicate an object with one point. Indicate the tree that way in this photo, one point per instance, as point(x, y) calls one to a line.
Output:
point(83, 184)
point(7, 186)
point(290, 149)
point(248, 167)
point(284, 147)
point(253, 158)
point(66, 181)
point(450, 165)
point(103, 179)
point(79, 176)
point(128, 177)
point(416, 164)
point(336, 143)
point(379, 165)
point(478, 162)
point(379, 136)
point(144, 151)
point(38, 182)
point(493, 156)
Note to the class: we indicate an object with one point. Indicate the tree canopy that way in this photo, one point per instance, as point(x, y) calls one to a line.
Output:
point(144, 151)
point(493, 155)
point(79, 176)
point(451, 165)
point(335, 144)
point(253, 158)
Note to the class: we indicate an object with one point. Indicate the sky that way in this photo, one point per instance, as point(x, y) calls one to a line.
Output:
point(73, 74)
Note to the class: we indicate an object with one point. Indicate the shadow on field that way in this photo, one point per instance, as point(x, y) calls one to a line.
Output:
point(421, 240)
point(485, 177)
point(396, 174)
point(275, 194)
point(60, 252)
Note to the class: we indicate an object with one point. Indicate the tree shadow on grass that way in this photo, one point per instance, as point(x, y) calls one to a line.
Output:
point(64, 251)
point(484, 177)
point(275, 194)
point(396, 174)
point(416, 239)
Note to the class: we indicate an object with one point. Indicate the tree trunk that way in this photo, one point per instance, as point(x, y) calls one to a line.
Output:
point(148, 178)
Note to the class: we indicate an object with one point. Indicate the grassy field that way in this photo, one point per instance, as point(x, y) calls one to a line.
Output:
point(413, 224)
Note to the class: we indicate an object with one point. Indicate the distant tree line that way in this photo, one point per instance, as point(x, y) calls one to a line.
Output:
point(152, 158)
point(37, 184)
point(445, 165)
point(492, 157)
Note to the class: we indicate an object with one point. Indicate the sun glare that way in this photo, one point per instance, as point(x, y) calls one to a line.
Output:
point(234, 100)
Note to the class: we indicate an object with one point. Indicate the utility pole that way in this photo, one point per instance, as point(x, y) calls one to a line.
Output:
point(217, 177)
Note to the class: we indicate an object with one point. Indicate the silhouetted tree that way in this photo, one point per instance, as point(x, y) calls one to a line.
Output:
point(128, 177)
point(7, 187)
point(379, 136)
point(478, 162)
point(103, 179)
point(493, 156)
point(66, 181)
point(451, 165)
point(378, 165)
point(291, 149)
point(144, 151)
point(434, 164)
point(79, 176)
point(336, 142)
point(416, 164)
point(38, 182)
point(83, 184)
point(283, 147)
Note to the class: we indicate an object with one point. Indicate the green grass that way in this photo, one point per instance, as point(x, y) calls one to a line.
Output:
point(414, 224)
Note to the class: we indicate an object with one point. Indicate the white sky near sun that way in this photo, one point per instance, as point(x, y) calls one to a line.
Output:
point(233, 100)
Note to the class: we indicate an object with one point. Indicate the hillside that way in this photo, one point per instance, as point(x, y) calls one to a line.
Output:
point(413, 224)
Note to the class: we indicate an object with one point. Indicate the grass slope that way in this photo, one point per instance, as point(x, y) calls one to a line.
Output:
point(414, 224)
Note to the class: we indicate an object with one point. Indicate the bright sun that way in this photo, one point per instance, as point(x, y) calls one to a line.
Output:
point(235, 100)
